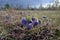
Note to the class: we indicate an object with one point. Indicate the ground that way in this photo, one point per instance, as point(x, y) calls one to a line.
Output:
point(17, 14)
point(9, 20)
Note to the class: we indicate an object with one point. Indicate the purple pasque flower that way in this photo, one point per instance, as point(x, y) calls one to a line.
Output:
point(29, 21)
point(35, 23)
point(24, 21)
point(33, 19)
point(29, 26)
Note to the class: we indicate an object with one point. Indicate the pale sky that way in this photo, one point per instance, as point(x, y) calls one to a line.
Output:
point(24, 3)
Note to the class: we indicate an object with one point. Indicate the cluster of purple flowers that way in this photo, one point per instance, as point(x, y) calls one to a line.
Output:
point(29, 23)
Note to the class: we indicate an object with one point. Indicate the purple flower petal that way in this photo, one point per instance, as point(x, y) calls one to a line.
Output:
point(33, 19)
point(35, 23)
point(29, 26)
point(24, 21)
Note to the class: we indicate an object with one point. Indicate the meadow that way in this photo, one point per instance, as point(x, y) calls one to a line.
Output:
point(17, 15)
point(10, 18)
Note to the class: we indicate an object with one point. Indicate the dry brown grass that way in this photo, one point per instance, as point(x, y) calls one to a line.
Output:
point(14, 17)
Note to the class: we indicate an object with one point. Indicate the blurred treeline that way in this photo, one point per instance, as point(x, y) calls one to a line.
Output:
point(54, 6)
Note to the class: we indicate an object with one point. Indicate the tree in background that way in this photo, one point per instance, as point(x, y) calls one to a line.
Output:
point(49, 6)
point(19, 7)
point(55, 4)
point(7, 6)
point(41, 6)
point(28, 7)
